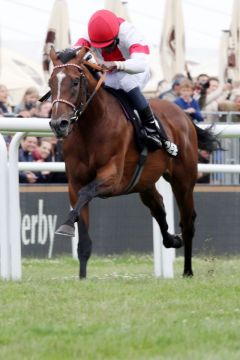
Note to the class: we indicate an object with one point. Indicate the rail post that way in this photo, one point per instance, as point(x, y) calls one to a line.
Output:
point(5, 255)
point(14, 208)
point(163, 258)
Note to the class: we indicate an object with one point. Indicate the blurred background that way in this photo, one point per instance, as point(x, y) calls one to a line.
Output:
point(24, 25)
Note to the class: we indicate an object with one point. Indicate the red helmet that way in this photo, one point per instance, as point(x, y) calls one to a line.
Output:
point(103, 27)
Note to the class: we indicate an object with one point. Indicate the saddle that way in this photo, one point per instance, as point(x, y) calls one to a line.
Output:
point(131, 115)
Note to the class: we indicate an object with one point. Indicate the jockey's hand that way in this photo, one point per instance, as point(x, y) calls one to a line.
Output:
point(108, 65)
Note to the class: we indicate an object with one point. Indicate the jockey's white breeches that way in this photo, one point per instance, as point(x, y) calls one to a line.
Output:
point(127, 82)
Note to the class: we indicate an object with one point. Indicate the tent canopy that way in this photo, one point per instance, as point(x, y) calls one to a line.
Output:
point(18, 73)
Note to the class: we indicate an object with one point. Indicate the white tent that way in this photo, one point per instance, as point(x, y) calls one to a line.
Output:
point(172, 43)
point(118, 8)
point(209, 67)
point(223, 56)
point(152, 86)
point(18, 73)
point(58, 33)
point(235, 38)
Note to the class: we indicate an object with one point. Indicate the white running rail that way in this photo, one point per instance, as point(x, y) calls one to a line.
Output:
point(10, 244)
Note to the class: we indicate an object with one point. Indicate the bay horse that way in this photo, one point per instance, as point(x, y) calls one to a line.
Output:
point(100, 153)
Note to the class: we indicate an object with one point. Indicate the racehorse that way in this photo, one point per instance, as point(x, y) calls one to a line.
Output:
point(101, 155)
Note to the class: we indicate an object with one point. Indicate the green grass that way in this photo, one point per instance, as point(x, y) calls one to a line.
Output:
point(121, 311)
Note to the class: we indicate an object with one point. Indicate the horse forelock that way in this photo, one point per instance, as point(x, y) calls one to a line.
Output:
point(70, 53)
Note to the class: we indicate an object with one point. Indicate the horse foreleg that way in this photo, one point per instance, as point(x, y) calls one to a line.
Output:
point(84, 242)
point(154, 201)
point(85, 194)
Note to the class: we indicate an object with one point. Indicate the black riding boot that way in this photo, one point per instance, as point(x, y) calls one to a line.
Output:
point(154, 134)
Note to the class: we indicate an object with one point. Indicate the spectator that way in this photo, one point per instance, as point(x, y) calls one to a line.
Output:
point(186, 101)
point(233, 104)
point(43, 153)
point(44, 109)
point(5, 107)
point(200, 90)
point(215, 93)
point(50, 149)
point(173, 93)
point(58, 177)
point(28, 145)
point(27, 106)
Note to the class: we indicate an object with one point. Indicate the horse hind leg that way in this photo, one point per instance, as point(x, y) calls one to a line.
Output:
point(185, 203)
point(154, 201)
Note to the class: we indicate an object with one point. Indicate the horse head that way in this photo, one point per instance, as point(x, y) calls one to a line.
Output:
point(68, 89)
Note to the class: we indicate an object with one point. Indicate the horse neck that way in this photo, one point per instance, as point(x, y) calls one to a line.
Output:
point(96, 109)
point(101, 99)
point(94, 116)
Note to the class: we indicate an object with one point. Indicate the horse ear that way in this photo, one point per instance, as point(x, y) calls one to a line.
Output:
point(80, 52)
point(53, 55)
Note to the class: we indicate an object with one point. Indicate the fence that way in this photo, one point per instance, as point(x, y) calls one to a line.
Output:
point(221, 116)
point(232, 155)
point(10, 245)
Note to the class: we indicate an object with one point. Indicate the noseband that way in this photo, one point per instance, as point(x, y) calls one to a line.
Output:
point(78, 112)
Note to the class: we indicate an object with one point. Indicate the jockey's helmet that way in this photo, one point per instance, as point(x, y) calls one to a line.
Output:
point(103, 28)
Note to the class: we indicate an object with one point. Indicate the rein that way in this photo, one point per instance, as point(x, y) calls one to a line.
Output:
point(78, 112)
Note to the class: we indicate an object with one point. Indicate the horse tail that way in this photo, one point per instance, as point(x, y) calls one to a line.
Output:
point(207, 140)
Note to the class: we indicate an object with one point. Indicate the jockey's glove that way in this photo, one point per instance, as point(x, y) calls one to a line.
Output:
point(108, 65)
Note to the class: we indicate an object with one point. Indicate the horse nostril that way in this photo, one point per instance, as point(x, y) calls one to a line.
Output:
point(63, 124)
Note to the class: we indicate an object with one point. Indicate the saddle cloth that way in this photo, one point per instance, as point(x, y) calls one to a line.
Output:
point(131, 115)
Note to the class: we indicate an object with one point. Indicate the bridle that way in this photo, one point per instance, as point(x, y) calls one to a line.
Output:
point(78, 111)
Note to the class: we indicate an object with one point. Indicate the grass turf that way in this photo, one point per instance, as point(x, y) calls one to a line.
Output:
point(121, 311)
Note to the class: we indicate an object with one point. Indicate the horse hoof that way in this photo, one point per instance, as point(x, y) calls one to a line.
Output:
point(66, 230)
point(188, 273)
point(177, 241)
point(82, 277)
point(173, 241)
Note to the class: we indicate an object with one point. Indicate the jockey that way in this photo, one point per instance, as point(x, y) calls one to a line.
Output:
point(123, 52)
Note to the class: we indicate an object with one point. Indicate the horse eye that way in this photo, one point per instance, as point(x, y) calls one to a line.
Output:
point(76, 82)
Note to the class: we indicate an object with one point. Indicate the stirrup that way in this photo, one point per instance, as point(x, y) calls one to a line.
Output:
point(152, 141)
point(171, 148)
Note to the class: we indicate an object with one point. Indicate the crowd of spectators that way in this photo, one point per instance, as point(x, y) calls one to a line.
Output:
point(212, 96)
point(33, 148)
point(203, 99)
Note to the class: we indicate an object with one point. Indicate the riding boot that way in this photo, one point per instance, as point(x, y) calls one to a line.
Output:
point(154, 134)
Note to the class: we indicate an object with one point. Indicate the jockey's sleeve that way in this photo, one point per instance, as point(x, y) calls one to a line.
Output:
point(136, 64)
point(137, 60)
